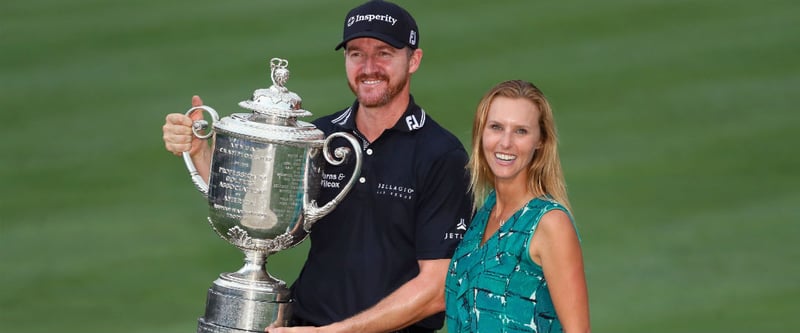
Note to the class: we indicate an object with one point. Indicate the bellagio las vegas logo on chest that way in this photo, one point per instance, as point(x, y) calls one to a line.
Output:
point(397, 191)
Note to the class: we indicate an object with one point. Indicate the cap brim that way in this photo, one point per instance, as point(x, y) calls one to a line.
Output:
point(373, 34)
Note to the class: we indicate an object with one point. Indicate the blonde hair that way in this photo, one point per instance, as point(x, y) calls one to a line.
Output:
point(544, 172)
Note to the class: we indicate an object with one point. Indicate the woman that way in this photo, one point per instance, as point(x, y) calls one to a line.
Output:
point(520, 266)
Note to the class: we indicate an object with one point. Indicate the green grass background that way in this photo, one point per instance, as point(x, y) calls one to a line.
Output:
point(678, 123)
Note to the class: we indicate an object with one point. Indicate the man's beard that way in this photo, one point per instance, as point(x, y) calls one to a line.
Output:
point(385, 97)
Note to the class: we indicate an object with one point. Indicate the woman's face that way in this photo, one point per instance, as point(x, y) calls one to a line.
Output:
point(510, 138)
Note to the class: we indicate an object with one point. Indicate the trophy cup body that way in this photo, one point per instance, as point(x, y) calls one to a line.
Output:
point(265, 176)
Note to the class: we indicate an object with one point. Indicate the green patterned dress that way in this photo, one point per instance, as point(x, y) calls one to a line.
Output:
point(496, 287)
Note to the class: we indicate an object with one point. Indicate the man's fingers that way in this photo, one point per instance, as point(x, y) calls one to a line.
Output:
point(178, 137)
point(196, 101)
point(178, 119)
point(198, 113)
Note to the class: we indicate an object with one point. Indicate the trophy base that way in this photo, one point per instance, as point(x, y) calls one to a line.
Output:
point(235, 305)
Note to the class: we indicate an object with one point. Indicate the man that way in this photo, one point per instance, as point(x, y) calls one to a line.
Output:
point(378, 262)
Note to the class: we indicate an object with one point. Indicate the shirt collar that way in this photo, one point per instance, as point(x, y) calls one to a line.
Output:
point(412, 119)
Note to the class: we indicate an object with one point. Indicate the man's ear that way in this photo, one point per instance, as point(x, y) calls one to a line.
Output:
point(414, 61)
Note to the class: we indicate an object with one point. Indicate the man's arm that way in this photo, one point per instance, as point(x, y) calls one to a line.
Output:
point(415, 300)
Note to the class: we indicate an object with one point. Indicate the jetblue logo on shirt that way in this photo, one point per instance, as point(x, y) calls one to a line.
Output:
point(461, 227)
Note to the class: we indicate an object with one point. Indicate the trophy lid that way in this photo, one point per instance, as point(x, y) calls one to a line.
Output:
point(276, 100)
point(275, 111)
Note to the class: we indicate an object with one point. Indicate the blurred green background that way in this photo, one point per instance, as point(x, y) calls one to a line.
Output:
point(678, 124)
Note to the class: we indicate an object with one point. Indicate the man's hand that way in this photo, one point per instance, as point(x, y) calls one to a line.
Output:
point(178, 137)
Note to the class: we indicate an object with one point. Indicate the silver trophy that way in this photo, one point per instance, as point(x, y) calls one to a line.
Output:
point(265, 176)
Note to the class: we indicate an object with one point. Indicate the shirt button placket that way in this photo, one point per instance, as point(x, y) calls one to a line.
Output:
point(363, 180)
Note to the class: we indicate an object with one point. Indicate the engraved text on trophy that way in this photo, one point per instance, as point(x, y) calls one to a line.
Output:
point(258, 185)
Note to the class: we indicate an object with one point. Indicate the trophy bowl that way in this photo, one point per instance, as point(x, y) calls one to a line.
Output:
point(264, 180)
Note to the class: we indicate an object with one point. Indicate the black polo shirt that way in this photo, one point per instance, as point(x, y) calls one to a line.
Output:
point(410, 203)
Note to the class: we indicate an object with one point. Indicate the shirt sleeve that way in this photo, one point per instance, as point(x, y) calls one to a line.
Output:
point(444, 206)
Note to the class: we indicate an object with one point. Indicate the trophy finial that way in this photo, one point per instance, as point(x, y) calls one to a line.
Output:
point(278, 72)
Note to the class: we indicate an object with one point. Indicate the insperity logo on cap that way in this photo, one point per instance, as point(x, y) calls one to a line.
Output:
point(381, 20)
point(369, 17)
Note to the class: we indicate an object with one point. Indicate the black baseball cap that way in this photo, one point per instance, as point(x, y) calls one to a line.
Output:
point(382, 20)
